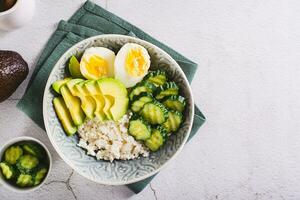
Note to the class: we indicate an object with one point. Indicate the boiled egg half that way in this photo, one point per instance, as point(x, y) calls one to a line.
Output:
point(97, 62)
point(131, 64)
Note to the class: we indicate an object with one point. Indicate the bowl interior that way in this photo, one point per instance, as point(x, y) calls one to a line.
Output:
point(118, 172)
point(15, 141)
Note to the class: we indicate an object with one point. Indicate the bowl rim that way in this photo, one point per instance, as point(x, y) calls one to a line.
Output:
point(19, 139)
point(112, 36)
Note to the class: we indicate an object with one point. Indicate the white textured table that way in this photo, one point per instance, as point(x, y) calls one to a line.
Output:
point(247, 85)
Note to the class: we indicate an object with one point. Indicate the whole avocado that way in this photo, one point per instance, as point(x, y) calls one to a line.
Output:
point(13, 71)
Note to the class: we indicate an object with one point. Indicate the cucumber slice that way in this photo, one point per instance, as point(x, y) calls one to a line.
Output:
point(12, 154)
point(27, 163)
point(174, 102)
point(173, 122)
point(154, 113)
point(140, 88)
point(140, 101)
point(139, 129)
point(158, 77)
point(39, 176)
point(168, 89)
point(25, 180)
point(34, 150)
point(157, 138)
point(7, 170)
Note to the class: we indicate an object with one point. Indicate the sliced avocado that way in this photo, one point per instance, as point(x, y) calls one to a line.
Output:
point(109, 101)
point(64, 116)
point(88, 103)
point(57, 84)
point(74, 105)
point(74, 68)
point(71, 85)
point(114, 89)
point(95, 92)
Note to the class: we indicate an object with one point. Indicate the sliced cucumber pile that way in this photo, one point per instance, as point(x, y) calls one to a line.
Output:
point(139, 129)
point(167, 89)
point(24, 164)
point(174, 102)
point(154, 113)
point(157, 138)
point(140, 101)
point(158, 77)
point(144, 86)
point(158, 109)
point(173, 122)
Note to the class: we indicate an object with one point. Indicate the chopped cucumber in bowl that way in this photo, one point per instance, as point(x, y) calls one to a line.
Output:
point(24, 164)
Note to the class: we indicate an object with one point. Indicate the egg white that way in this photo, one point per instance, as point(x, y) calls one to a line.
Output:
point(120, 63)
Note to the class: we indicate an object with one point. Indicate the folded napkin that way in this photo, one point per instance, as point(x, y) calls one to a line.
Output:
point(91, 20)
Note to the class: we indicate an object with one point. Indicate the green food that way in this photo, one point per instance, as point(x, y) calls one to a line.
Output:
point(140, 101)
point(173, 122)
point(74, 106)
point(88, 103)
point(157, 138)
point(154, 113)
point(139, 129)
point(64, 116)
point(94, 90)
point(7, 170)
point(158, 77)
point(57, 84)
point(141, 88)
point(71, 85)
point(12, 154)
point(167, 89)
point(27, 163)
point(40, 175)
point(25, 180)
point(34, 150)
point(74, 68)
point(174, 102)
point(30, 168)
point(115, 94)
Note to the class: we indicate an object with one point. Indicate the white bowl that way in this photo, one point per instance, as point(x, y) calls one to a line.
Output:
point(118, 172)
point(20, 139)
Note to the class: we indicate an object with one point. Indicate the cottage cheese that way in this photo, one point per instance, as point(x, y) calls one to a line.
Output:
point(110, 140)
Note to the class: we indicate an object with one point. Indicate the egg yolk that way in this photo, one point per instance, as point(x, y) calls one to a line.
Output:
point(135, 63)
point(97, 66)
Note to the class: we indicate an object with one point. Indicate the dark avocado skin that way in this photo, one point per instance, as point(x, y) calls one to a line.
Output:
point(13, 71)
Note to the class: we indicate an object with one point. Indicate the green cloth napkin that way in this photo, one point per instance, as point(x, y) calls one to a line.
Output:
point(91, 20)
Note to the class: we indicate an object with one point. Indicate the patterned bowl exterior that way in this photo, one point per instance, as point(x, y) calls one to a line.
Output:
point(118, 172)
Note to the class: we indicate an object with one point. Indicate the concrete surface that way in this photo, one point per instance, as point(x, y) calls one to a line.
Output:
point(247, 85)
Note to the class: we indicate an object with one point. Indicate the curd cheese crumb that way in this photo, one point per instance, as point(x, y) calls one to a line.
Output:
point(109, 140)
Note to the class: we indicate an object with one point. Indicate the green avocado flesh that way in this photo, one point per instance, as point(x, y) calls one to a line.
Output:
point(64, 116)
point(57, 84)
point(106, 99)
point(113, 89)
point(73, 104)
point(74, 68)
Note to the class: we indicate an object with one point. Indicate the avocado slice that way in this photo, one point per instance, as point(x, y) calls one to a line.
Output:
point(74, 68)
point(109, 101)
point(57, 84)
point(88, 103)
point(94, 90)
point(71, 85)
point(114, 92)
point(73, 104)
point(64, 116)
